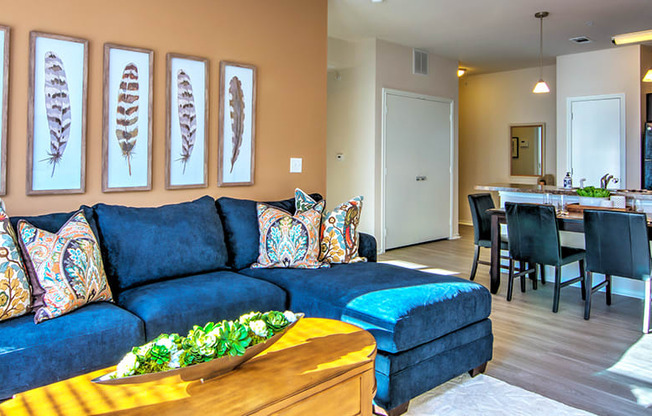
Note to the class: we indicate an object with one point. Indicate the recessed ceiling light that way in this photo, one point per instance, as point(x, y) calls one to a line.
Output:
point(376, 1)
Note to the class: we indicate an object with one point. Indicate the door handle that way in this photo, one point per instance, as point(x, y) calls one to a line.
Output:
point(421, 178)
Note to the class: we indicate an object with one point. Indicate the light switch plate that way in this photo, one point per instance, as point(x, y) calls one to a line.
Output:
point(295, 164)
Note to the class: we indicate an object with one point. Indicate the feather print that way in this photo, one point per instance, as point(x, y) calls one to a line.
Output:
point(57, 107)
point(237, 117)
point(126, 129)
point(187, 116)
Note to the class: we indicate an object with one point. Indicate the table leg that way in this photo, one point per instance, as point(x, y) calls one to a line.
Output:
point(494, 270)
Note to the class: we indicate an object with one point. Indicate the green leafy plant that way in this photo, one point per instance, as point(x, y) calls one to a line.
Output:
point(203, 343)
point(594, 192)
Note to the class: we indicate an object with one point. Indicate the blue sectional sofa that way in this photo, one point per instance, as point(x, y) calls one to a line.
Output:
point(183, 264)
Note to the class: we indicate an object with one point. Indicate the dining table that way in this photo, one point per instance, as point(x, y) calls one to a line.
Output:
point(567, 221)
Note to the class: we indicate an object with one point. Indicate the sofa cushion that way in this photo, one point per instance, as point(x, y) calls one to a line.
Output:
point(402, 308)
point(241, 234)
point(15, 291)
point(288, 240)
point(87, 339)
point(53, 222)
point(145, 245)
point(65, 268)
point(176, 305)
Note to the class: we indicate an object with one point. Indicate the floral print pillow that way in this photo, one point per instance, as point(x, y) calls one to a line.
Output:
point(15, 292)
point(338, 235)
point(65, 268)
point(289, 241)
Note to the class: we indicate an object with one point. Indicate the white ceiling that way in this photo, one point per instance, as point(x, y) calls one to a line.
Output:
point(489, 35)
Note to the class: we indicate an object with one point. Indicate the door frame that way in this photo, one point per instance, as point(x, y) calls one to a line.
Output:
point(406, 94)
point(623, 131)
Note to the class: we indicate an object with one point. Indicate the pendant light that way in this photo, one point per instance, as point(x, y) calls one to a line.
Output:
point(541, 86)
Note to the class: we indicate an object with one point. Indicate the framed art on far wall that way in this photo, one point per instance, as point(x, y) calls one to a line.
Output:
point(4, 94)
point(186, 138)
point(127, 127)
point(56, 112)
point(237, 124)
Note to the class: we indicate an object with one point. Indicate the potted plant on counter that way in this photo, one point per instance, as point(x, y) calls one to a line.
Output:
point(592, 196)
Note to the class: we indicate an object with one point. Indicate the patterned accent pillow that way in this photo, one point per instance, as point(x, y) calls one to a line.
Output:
point(15, 293)
point(289, 241)
point(339, 235)
point(65, 268)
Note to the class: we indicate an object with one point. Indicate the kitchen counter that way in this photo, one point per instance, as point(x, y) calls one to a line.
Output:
point(548, 189)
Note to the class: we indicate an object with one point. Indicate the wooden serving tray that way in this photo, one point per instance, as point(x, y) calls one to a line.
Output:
point(580, 208)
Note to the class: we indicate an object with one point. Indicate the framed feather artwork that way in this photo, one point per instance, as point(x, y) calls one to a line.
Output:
point(186, 138)
point(127, 131)
point(56, 112)
point(236, 133)
point(4, 94)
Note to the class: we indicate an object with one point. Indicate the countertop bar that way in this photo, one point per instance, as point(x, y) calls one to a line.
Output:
point(548, 189)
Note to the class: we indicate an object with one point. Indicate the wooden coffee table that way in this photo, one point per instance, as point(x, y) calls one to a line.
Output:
point(320, 366)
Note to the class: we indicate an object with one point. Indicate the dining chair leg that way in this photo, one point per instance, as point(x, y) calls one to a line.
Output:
point(542, 270)
point(534, 276)
point(476, 257)
point(510, 280)
point(607, 277)
point(557, 289)
point(583, 283)
point(588, 289)
point(522, 266)
point(646, 310)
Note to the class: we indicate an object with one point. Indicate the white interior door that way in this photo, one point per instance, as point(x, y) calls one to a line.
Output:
point(597, 139)
point(418, 136)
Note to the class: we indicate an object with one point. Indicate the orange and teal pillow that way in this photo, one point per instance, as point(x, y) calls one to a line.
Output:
point(339, 234)
point(288, 240)
point(65, 268)
point(15, 292)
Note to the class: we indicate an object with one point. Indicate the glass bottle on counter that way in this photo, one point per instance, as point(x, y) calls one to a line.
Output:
point(568, 181)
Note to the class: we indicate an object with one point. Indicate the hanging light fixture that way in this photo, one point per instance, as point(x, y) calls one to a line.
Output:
point(541, 86)
point(460, 72)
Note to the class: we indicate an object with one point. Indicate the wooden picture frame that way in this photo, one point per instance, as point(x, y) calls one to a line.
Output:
point(237, 125)
point(187, 121)
point(56, 114)
point(127, 118)
point(514, 147)
point(5, 33)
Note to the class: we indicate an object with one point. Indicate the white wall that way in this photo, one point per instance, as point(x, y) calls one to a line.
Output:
point(489, 103)
point(354, 125)
point(351, 126)
point(608, 71)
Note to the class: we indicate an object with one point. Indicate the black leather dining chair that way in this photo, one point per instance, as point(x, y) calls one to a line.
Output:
point(533, 235)
point(616, 244)
point(479, 204)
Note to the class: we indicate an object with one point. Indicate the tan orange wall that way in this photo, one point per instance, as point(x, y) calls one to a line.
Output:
point(285, 39)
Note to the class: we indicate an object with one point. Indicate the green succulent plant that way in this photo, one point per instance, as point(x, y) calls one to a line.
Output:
point(275, 320)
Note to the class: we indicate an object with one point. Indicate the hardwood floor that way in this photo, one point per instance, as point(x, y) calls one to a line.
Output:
point(560, 356)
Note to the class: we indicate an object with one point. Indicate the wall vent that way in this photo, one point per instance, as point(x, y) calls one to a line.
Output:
point(581, 39)
point(419, 62)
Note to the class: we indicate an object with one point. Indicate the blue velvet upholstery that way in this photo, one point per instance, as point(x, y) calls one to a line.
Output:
point(367, 247)
point(53, 222)
point(93, 337)
point(241, 234)
point(402, 308)
point(399, 387)
point(176, 305)
point(144, 245)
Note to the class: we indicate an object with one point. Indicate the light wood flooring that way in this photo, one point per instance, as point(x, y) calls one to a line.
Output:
point(560, 356)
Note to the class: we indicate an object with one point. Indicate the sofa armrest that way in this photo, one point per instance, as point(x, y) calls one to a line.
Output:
point(367, 247)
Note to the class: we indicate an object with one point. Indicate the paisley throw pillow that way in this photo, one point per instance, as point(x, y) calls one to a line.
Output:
point(65, 268)
point(339, 235)
point(289, 241)
point(15, 293)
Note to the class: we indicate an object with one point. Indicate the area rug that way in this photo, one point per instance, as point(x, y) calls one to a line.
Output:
point(487, 396)
point(635, 369)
